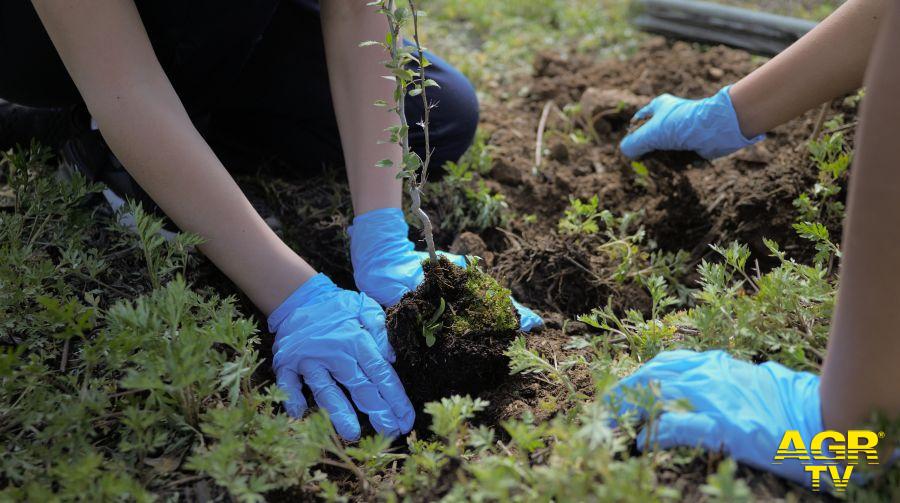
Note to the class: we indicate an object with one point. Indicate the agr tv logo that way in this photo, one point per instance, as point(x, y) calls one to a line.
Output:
point(830, 453)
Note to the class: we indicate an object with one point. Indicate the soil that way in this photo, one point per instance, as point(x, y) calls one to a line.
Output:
point(467, 353)
point(689, 203)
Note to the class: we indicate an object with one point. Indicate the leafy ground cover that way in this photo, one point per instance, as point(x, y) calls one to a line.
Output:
point(130, 369)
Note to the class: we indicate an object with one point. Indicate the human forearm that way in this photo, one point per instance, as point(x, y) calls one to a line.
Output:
point(861, 374)
point(171, 161)
point(826, 63)
point(109, 56)
point(356, 80)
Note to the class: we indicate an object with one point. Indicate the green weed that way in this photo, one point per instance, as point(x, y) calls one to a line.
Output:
point(832, 157)
point(581, 217)
point(116, 378)
point(488, 41)
point(464, 202)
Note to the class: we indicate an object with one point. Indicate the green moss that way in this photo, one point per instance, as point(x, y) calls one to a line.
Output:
point(489, 306)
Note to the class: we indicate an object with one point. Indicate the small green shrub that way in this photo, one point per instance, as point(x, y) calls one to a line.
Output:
point(722, 486)
point(465, 202)
point(103, 397)
point(581, 217)
point(832, 157)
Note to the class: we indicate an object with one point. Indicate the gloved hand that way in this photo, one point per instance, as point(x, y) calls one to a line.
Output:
point(323, 334)
point(740, 408)
point(708, 127)
point(386, 265)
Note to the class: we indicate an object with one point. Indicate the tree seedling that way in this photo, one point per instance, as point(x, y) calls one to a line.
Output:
point(407, 69)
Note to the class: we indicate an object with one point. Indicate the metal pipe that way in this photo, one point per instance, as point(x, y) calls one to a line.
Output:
point(758, 32)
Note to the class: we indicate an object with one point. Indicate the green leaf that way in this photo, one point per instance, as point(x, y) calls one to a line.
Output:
point(640, 169)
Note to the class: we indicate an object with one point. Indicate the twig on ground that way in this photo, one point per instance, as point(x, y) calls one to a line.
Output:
point(185, 480)
point(539, 142)
point(844, 127)
point(820, 121)
point(65, 357)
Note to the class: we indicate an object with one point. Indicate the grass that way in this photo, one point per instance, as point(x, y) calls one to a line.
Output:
point(492, 41)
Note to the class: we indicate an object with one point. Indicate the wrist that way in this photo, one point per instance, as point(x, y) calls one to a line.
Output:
point(378, 201)
point(812, 405)
point(385, 215)
point(749, 124)
point(305, 294)
point(381, 225)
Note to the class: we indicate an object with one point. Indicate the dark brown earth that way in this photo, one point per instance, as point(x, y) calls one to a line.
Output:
point(689, 203)
point(458, 362)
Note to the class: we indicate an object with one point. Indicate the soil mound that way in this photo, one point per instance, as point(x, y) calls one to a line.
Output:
point(451, 332)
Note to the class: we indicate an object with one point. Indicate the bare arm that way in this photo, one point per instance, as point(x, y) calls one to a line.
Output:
point(108, 54)
point(826, 63)
point(861, 372)
point(356, 80)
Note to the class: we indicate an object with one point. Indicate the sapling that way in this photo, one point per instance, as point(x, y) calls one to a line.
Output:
point(457, 317)
point(408, 69)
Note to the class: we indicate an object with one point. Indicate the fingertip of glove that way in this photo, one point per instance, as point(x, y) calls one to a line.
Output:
point(347, 428)
point(295, 409)
point(289, 383)
point(528, 319)
point(531, 322)
point(407, 421)
point(459, 260)
point(628, 147)
point(386, 423)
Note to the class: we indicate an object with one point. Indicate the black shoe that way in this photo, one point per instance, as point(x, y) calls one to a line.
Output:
point(84, 150)
point(88, 154)
point(20, 125)
point(68, 131)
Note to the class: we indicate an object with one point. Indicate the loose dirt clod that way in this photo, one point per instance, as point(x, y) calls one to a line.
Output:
point(451, 332)
point(608, 109)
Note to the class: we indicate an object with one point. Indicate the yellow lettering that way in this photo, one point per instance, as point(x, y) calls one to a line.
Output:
point(791, 447)
point(840, 481)
point(815, 472)
point(862, 443)
point(820, 452)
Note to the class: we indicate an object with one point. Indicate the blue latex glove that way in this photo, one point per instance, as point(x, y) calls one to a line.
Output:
point(708, 127)
point(740, 408)
point(386, 265)
point(325, 334)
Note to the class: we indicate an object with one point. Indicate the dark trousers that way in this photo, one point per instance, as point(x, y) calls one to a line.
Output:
point(248, 71)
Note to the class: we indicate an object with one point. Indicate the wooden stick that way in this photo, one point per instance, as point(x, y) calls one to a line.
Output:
point(539, 143)
point(820, 120)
